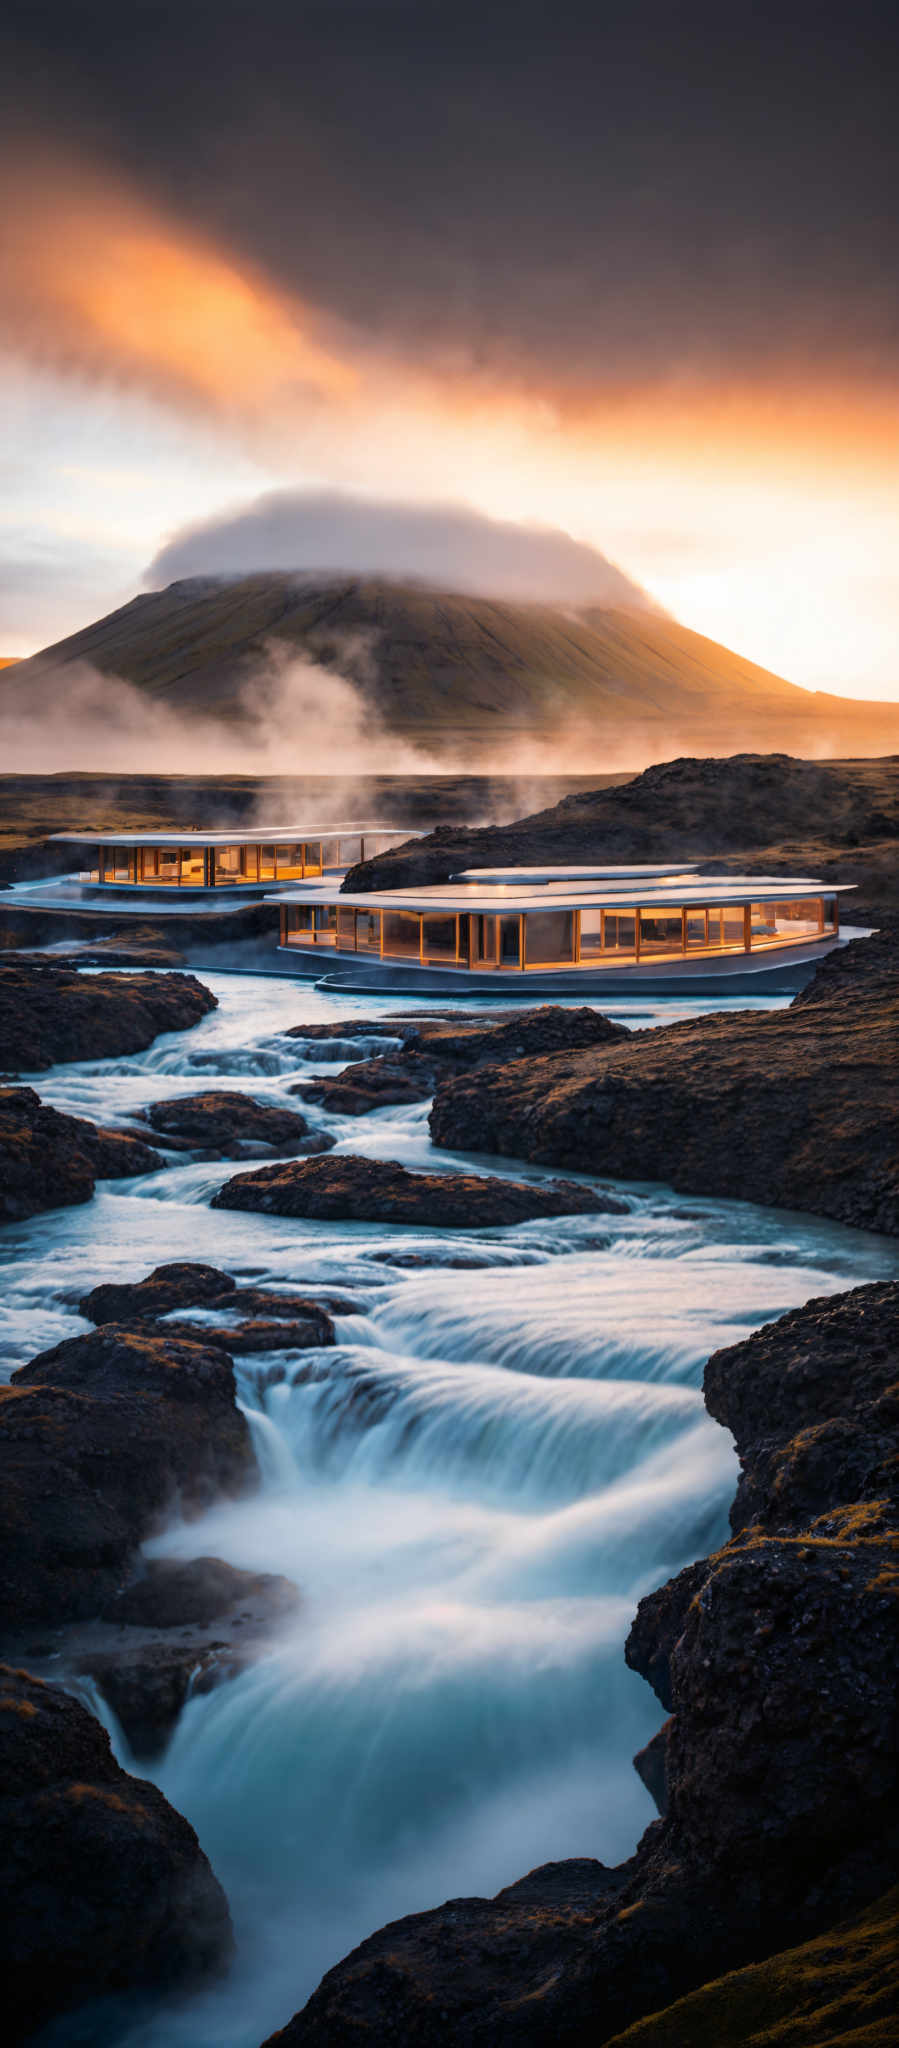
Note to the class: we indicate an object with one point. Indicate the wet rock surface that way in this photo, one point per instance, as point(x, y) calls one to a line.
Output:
point(50, 1012)
point(102, 1437)
point(794, 1107)
point(105, 1887)
point(228, 1125)
point(435, 1046)
point(346, 1187)
point(176, 1629)
point(775, 1659)
point(49, 1160)
point(265, 1319)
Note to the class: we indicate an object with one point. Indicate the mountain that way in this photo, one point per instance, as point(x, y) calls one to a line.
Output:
point(466, 677)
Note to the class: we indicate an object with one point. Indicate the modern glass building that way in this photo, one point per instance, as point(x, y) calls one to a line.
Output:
point(199, 860)
point(611, 925)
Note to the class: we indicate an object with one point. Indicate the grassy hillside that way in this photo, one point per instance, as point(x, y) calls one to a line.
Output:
point(463, 675)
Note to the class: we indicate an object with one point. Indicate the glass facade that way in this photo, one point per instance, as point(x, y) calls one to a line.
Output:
point(512, 941)
point(549, 938)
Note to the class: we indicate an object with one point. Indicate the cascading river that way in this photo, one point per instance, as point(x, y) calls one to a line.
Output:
point(471, 1490)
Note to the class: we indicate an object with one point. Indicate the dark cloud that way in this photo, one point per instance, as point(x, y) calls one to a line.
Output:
point(443, 544)
point(581, 195)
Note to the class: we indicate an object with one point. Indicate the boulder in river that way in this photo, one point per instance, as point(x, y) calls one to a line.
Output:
point(104, 1887)
point(345, 1187)
point(265, 1320)
point(50, 1012)
point(233, 1126)
point(176, 1629)
point(102, 1438)
point(775, 1660)
point(795, 1107)
point(49, 1160)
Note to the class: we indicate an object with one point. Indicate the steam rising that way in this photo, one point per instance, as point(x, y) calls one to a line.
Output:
point(293, 717)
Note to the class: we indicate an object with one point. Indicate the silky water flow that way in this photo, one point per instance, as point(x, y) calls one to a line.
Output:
point(471, 1491)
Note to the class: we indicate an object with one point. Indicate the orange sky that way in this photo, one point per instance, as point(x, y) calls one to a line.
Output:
point(762, 512)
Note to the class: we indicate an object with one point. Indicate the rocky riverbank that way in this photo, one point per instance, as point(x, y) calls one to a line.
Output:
point(774, 1660)
point(795, 1107)
point(50, 1013)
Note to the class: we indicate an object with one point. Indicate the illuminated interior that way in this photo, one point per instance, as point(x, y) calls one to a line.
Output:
point(217, 860)
point(576, 935)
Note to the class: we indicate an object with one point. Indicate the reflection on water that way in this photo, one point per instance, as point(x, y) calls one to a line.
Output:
point(472, 1490)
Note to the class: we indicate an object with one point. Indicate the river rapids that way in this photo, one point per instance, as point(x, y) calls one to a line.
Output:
point(472, 1490)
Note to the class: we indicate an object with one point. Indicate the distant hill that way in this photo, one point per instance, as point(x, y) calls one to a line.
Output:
point(468, 678)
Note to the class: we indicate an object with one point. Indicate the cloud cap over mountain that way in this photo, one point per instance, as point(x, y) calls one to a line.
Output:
point(448, 545)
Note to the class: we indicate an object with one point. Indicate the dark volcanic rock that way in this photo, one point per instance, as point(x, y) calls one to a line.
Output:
point(232, 1126)
point(48, 1160)
point(776, 1657)
point(181, 1284)
point(178, 1628)
point(809, 1432)
point(50, 1013)
point(260, 1335)
point(436, 1046)
point(796, 1107)
point(345, 1187)
point(105, 1887)
point(102, 1437)
point(288, 1322)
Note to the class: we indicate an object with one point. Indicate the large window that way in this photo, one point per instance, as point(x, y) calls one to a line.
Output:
point(482, 939)
point(402, 934)
point(325, 920)
point(661, 933)
point(510, 941)
point(549, 938)
point(346, 930)
point(117, 864)
point(167, 864)
point(726, 927)
point(312, 857)
point(619, 931)
point(774, 924)
point(438, 941)
point(290, 863)
point(298, 926)
point(193, 867)
point(368, 931)
point(227, 865)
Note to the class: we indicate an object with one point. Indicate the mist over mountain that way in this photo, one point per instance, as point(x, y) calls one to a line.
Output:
point(449, 545)
point(282, 672)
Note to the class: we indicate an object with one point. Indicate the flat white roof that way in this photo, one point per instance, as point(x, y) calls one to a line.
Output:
point(523, 875)
point(193, 835)
point(438, 898)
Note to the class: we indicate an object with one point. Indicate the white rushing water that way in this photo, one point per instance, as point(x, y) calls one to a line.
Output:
point(472, 1490)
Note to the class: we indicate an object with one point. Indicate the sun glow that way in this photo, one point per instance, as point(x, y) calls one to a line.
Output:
point(762, 515)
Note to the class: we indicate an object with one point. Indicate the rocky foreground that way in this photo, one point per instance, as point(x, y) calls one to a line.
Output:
point(50, 1012)
point(794, 1107)
point(104, 1886)
point(777, 1767)
point(347, 1188)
